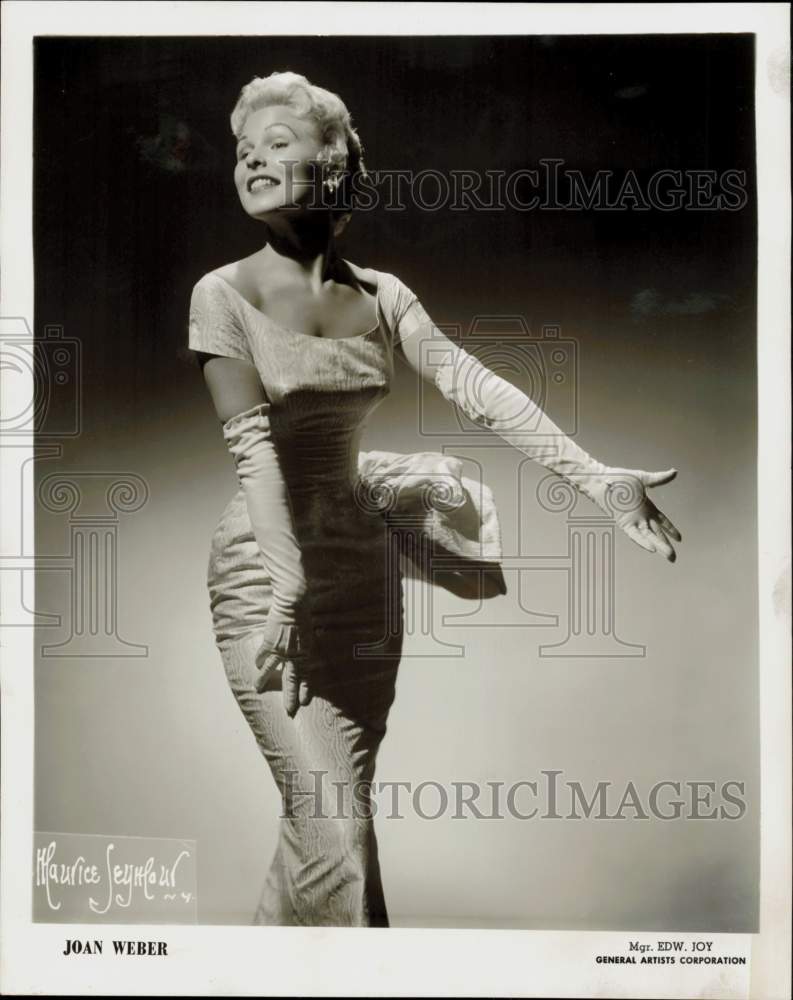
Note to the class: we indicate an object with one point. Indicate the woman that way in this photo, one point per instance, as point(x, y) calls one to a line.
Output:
point(297, 347)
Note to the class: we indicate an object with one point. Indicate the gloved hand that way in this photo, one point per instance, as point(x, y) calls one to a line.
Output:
point(287, 629)
point(490, 401)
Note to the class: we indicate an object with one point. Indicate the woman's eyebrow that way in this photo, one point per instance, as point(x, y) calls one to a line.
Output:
point(244, 138)
point(273, 124)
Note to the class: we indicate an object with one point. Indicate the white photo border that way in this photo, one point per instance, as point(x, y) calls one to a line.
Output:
point(216, 961)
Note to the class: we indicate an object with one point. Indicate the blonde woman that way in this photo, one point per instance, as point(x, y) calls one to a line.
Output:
point(297, 346)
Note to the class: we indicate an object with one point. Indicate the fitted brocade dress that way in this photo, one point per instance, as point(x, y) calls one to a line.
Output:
point(320, 392)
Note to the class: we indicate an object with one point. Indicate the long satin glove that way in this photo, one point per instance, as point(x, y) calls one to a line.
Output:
point(285, 642)
point(490, 401)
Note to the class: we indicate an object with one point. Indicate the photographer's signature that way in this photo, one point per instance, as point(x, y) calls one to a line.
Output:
point(110, 882)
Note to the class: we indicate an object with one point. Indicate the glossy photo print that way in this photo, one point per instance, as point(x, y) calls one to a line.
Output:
point(397, 498)
point(582, 225)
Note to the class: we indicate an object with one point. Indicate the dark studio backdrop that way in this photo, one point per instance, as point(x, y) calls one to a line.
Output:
point(134, 201)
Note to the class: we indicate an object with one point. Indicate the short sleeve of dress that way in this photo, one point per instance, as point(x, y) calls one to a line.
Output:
point(408, 316)
point(214, 325)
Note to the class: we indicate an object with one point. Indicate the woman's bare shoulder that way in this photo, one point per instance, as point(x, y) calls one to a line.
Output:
point(240, 274)
point(369, 276)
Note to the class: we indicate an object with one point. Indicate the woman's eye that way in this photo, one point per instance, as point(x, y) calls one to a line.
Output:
point(279, 143)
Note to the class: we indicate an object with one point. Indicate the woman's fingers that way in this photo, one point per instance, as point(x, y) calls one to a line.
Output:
point(632, 531)
point(649, 539)
point(264, 658)
point(270, 662)
point(290, 683)
point(669, 527)
point(294, 688)
point(645, 524)
point(646, 532)
point(662, 541)
point(658, 478)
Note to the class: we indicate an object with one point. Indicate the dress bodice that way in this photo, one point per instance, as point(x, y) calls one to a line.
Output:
point(321, 390)
point(321, 393)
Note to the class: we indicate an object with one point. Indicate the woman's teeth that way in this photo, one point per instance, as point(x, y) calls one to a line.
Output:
point(262, 182)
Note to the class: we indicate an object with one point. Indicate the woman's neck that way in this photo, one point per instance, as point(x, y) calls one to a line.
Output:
point(302, 246)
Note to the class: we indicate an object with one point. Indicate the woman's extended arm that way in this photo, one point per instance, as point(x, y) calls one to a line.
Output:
point(241, 405)
point(490, 401)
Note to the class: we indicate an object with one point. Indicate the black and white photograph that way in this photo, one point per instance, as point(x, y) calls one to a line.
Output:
point(396, 487)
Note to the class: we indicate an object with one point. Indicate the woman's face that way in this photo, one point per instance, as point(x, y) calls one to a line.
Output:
point(274, 162)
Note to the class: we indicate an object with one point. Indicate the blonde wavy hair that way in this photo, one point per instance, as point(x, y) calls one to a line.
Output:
point(341, 157)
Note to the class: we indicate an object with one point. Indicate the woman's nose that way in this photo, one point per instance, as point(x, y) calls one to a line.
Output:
point(256, 156)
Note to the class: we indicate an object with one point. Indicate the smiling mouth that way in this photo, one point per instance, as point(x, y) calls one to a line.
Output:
point(260, 183)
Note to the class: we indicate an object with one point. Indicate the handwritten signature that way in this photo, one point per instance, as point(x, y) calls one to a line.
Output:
point(117, 883)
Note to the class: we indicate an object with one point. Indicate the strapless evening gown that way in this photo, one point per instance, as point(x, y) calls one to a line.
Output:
point(321, 391)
